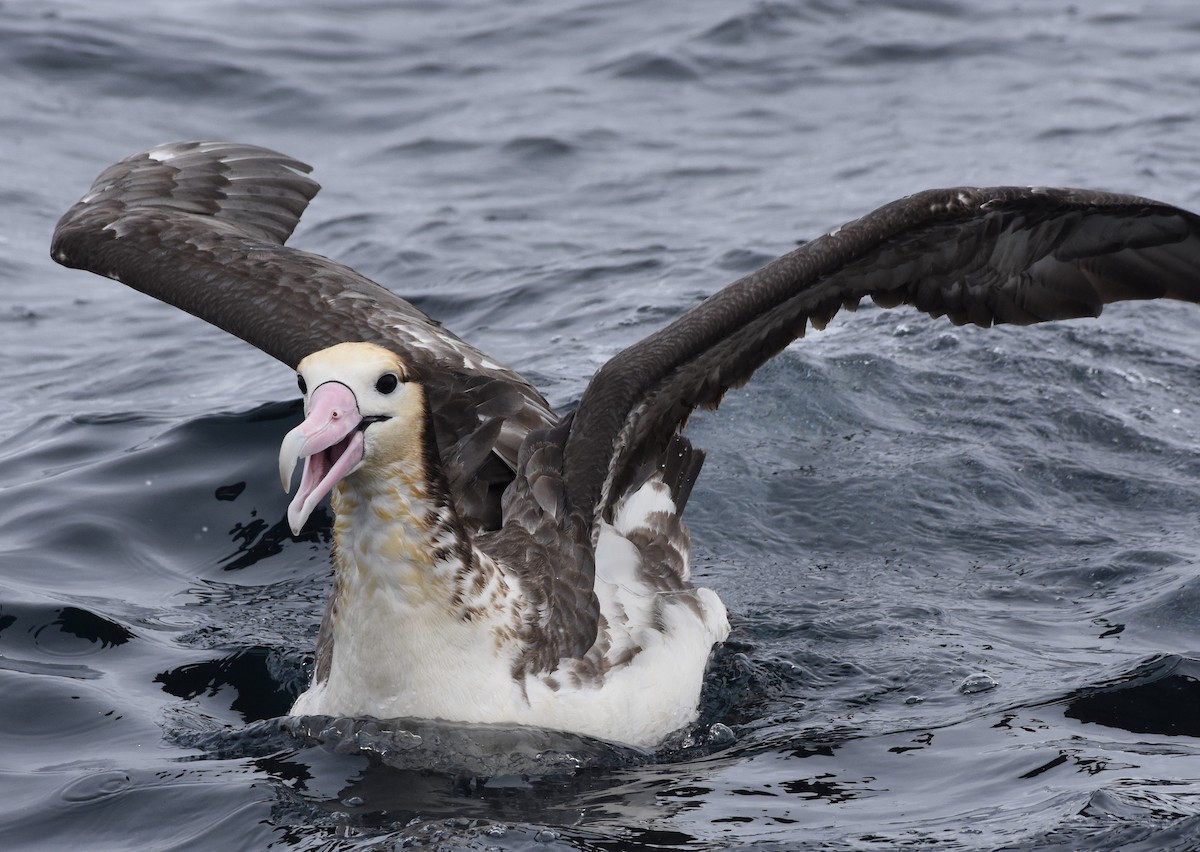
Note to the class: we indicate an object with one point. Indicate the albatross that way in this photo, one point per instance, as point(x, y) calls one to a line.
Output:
point(494, 560)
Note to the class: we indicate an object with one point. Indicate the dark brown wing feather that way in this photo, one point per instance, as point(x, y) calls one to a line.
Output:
point(201, 225)
point(983, 256)
point(550, 548)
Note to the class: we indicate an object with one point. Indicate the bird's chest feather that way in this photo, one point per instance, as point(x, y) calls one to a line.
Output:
point(418, 618)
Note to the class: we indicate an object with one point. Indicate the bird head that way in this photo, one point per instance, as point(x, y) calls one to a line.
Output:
point(362, 406)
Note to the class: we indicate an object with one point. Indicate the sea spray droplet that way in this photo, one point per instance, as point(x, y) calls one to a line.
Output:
point(977, 683)
point(721, 735)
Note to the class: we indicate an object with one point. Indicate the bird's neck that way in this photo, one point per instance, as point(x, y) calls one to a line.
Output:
point(414, 604)
point(396, 526)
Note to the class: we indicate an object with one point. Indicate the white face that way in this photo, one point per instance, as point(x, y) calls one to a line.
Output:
point(391, 406)
point(362, 412)
point(372, 372)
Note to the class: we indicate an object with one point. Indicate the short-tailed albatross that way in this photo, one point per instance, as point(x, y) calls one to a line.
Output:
point(495, 561)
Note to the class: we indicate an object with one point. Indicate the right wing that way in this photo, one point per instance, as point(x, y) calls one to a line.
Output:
point(202, 226)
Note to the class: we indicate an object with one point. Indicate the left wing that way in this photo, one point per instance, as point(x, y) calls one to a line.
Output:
point(984, 256)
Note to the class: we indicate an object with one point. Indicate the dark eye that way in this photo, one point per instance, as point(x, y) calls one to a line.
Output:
point(301, 384)
point(387, 383)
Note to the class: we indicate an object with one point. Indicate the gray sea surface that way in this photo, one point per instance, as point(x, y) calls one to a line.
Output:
point(961, 563)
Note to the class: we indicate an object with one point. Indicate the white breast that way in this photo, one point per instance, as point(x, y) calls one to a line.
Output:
point(402, 649)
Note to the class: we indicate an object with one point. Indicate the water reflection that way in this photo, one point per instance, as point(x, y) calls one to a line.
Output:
point(1159, 697)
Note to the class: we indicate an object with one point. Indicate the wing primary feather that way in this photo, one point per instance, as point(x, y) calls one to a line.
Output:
point(983, 256)
point(202, 226)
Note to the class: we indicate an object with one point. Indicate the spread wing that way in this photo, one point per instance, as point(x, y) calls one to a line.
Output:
point(202, 226)
point(982, 256)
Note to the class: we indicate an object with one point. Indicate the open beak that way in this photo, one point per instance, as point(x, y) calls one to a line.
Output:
point(331, 444)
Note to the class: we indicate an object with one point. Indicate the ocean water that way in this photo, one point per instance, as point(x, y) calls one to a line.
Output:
point(961, 563)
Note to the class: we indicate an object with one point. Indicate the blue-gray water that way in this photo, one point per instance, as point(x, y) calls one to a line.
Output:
point(891, 509)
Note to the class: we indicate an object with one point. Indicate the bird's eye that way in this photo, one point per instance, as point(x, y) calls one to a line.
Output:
point(387, 383)
point(301, 384)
